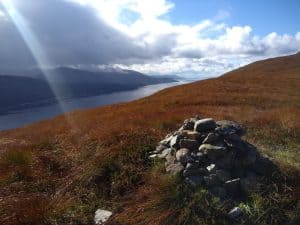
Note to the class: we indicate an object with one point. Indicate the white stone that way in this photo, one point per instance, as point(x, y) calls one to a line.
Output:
point(101, 216)
point(235, 212)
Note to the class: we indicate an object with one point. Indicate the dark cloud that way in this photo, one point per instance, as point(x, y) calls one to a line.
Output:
point(71, 34)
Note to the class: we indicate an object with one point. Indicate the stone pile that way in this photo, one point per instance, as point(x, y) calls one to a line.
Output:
point(212, 155)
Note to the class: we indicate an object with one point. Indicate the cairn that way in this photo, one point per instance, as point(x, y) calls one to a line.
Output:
point(213, 155)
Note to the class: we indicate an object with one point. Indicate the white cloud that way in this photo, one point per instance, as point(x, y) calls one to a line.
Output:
point(209, 39)
point(136, 34)
point(2, 15)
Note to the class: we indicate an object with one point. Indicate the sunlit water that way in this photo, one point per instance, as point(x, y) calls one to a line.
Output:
point(27, 116)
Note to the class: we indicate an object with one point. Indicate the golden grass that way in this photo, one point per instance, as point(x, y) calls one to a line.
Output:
point(264, 97)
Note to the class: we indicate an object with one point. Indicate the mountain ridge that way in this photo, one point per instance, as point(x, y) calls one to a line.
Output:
point(19, 92)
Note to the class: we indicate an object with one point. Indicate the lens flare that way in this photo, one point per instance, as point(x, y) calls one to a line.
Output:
point(37, 52)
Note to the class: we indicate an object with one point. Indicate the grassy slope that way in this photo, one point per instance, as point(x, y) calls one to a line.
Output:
point(46, 167)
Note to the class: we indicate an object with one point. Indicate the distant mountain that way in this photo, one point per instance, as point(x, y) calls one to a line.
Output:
point(18, 92)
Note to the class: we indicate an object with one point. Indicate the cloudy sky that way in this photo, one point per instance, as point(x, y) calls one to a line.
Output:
point(191, 38)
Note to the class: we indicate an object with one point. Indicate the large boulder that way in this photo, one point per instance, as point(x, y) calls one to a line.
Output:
point(205, 125)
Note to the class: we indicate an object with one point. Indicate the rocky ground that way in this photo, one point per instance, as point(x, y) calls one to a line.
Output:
point(212, 155)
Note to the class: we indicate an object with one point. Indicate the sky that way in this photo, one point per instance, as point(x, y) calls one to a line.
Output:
point(187, 38)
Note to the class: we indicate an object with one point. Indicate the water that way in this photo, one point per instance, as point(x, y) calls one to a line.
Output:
point(27, 116)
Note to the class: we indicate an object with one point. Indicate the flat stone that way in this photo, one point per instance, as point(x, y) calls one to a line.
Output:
point(213, 152)
point(233, 186)
point(182, 155)
point(223, 175)
point(205, 125)
point(189, 143)
point(160, 148)
point(194, 135)
point(101, 216)
point(164, 153)
point(153, 156)
point(234, 213)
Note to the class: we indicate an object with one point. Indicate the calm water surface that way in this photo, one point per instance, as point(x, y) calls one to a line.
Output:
point(27, 116)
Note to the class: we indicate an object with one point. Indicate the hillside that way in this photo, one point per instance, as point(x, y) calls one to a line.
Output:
point(60, 171)
point(19, 92)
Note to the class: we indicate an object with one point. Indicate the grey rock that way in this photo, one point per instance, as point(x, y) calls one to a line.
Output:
point(233, 186)
point(264, 166)
point(194, 180)
point(101, 216)
point(153, 156)
point(182, 155)
point(170, 159)
point(211, 138)
point(248, 184)
point(211, 168)
point(164, 153)
point(227, 161)
point(191, 166)
point(190, 171)
point(219, 192)
point(160, 148)
point(234, 213)
point(223, 175)
point(188, 124)
point(174, 168)
point(226, 127)
point(174, 143)
point(166, 141)
point(189, 143)
point(211, 180)
point(200, 157)
point(194, 135)
point(205, 125)
point(250, 157)
point(213, 152)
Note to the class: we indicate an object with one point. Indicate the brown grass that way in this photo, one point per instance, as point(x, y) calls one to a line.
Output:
point(66, 151)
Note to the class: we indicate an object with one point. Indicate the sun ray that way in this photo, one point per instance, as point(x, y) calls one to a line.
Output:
point(37, 52)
